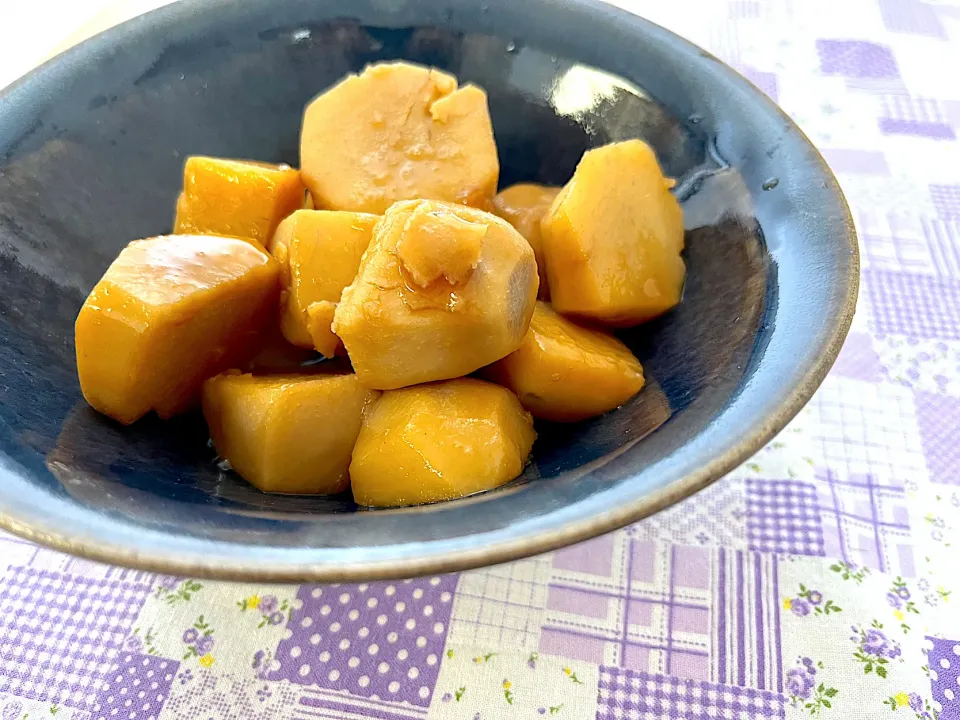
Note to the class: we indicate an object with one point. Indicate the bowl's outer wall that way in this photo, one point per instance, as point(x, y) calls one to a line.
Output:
point(91, 152)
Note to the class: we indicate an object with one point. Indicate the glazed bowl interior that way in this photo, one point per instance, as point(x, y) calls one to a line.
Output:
point(91, 153)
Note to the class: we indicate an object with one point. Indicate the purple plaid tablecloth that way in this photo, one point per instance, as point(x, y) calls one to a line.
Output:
point(817, 580)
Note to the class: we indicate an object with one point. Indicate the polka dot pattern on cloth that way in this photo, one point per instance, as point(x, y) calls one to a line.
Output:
point(137, 688)
point(943, 659)
point(381, 644)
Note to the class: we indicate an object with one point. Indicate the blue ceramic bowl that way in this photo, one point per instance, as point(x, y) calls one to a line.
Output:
point(91, 150)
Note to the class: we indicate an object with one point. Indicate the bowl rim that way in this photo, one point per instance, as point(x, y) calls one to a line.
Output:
point(529, 544)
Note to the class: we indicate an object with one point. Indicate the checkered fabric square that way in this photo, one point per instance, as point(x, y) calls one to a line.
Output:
point(783, 517)
point(501, 605)
point(628, 695)
point(863, 428)
point(59, 633)
point(943, 245)
point(906, 115)
point(892, 242)
point(946, 199)
point(914, 305)
point(913, 17)
point(636, 603)
point(717, 517)
point(939, 420)
point(866, 522)
point(856, 59)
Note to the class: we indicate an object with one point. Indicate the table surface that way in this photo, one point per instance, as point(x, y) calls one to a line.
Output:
point(814, 581)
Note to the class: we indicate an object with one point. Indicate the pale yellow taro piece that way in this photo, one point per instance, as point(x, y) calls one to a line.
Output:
point(439, 441)
point(566, 372)
point(319, 251)
point(612, 238)
point(523, 206)
point(287, 433)
point(398, 132)
point(169, 313)
point(236, 198)
point(442, 291)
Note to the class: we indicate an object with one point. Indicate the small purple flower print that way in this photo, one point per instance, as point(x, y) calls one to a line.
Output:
point(268, 604)
point(903, 593)
point(264, 693)
point(133, 643)
point(916, 702)
point(270, 609)
point(168, 582)
point(803, 689)
point(447, 697)
point(204, 645)
point(542, 711)
point(810, 601)
point(894, 600)
point(262, 664)
point(875, 643)
point(11, 711)
point(850, 571)
point(173, 590)
point(799, 682)
point(199, 642)
point(874, 649)
point(186, 676)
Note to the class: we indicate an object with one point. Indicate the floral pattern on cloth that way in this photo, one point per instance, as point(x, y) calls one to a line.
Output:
point(810, 601)
point(869, 658)
point(817, 580)
point(479, 683)
point(18, 708)
point(185, 619)
point(271, 610)
point(805, 691)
